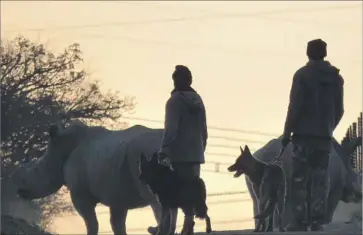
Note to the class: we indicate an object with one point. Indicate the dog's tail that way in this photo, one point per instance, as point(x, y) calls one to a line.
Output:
point(269, 209)
point(201, 208)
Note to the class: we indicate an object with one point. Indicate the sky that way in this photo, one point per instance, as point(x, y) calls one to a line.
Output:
point(242, 55)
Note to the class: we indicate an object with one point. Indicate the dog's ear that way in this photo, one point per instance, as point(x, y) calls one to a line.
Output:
point(247, 149)
point(240, 147)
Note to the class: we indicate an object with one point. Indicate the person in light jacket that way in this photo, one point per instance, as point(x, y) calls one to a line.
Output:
point(185, 133)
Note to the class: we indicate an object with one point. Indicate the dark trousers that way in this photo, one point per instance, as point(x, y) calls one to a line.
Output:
point(186, 169)
point(309, 183)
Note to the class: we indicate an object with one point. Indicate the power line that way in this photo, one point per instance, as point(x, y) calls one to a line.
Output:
point(224, 146)
point(217, 172)
point(226, 193)
point(192, 18)
point(210, 127)
point(235, 139)
point(236, 51)
point(222, 154)
point(219, 163)
point(279, 19)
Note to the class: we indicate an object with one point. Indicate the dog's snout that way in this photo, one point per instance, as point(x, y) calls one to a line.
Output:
point(231, 168)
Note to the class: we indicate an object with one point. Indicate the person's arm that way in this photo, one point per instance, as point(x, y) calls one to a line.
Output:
point(205, 129)
point(171, 125)
point(295, 104)
point(339, 101)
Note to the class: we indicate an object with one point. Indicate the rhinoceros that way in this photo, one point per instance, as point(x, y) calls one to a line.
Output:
point(343, 179)
point(98, 166)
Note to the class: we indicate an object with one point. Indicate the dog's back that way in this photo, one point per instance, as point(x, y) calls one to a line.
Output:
point(272, 190)
point(176, 192)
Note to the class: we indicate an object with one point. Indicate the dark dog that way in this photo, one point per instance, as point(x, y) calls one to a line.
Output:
point(174, 192)
point(272, 196)
point(267, 182)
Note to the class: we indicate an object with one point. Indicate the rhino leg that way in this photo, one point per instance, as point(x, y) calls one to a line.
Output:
point(333, 201)
point(118, 220)
point(158, 213)
point(85, 206)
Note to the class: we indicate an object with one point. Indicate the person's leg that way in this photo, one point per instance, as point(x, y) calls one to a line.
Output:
point(299, 189)
point(185, 171)
point(319, 162)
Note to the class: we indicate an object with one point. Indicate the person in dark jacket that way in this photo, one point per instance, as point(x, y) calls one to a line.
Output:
point(185, 133)
point(315, 110)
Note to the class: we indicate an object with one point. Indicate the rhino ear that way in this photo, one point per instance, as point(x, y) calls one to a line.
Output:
point(240, 147)
point(53, 131)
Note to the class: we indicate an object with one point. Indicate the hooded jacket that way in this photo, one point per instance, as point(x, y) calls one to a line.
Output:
point(185, 129)
point(316, 101)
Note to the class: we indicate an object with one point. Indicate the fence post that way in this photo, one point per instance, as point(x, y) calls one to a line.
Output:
point(352, 160)
point(217, 167)
point(359, 149)
point(355, 130)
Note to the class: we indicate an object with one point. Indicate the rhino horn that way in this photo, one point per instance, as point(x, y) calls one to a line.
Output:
point(240, 147)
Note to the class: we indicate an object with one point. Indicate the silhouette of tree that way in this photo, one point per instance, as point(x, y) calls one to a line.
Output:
point(38, 88)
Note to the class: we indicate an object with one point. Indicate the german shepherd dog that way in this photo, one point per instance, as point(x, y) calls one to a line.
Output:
point(271, 195)
point(268, 182)
point(174, 192)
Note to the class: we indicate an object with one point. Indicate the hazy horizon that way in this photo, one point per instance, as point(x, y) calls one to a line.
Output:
point(242, 56)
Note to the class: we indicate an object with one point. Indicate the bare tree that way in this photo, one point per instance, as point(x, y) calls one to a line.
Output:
point(39, 88)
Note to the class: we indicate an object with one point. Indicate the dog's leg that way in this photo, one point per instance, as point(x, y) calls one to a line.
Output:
point(208, 224)
point(260, 222)
point(165, 222)
point(173, 219)
point(188, 226)
point(281, 222)
point(280, 209)
point(254, 189)
point(269, 228)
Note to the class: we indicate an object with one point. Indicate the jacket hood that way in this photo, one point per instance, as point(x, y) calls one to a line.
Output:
point(191, 99)
point(326, 71)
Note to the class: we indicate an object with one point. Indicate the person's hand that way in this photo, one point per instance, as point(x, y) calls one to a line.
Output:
point(163, 159)
point(285, 140)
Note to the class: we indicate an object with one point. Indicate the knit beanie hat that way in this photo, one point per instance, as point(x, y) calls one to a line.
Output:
point(316, 49)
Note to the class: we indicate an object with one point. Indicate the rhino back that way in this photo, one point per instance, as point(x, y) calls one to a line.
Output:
point(271, 150)
point(97, 165)
point(267, 154)
point(147, 143)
